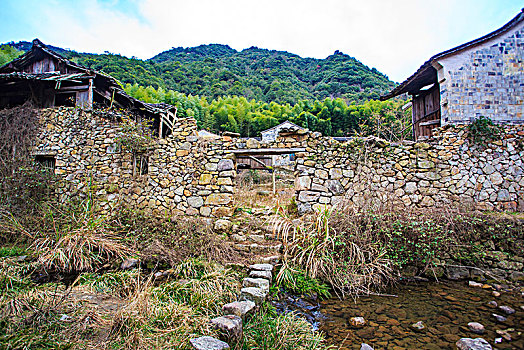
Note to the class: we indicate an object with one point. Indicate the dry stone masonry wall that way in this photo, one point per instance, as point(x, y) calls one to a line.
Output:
point(185, 174)
point(191, 175)
point(446, 169)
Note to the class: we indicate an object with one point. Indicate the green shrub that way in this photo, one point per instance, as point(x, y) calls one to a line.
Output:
point(267, 331)
point(483, 131)
point(296, 281)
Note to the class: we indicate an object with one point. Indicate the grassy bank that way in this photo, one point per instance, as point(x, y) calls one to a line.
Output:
point(363, 250)
point(62, 285)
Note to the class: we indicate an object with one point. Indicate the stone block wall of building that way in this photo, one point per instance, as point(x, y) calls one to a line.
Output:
point(486, 80)
point(446, 169)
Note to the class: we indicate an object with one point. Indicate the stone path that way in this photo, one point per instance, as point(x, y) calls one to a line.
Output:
point(255, 289)
point(261, 242)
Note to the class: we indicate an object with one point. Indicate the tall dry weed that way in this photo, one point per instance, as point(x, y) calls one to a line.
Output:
point(352, 266)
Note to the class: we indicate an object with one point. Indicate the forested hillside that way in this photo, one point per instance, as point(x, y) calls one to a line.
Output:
point(255, 89)
point(216, 70)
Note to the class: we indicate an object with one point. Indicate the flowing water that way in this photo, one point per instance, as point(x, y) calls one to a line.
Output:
point(445, 308)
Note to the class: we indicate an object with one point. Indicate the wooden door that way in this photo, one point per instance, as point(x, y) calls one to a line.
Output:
point(426, 112)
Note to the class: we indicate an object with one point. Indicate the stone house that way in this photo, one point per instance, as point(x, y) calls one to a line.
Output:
point(271, 134)
point(484, 77)
point(281, 130)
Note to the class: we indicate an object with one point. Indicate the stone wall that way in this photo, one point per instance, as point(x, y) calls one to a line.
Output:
point(485, 80)
point(446, 169)
point(191, 175)
point(185, 174)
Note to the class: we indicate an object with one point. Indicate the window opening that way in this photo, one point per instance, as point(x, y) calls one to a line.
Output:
point(46, 162)
point(140, 164)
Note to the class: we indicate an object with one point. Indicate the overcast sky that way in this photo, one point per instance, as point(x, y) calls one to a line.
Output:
point(394, 36)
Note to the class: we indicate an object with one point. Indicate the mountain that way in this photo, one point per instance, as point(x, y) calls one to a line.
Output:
point(216, 70)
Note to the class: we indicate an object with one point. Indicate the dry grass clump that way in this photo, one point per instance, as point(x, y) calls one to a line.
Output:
point(169, 314)
point(351, 267)
point(165, 242)
point(359, 249)
point(73, 238)
point(78, 250)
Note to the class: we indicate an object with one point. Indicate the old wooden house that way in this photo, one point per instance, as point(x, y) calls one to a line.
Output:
point(484, 77)
point(48, 79)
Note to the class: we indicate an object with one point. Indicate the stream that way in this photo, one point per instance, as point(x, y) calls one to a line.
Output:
point(445, 308)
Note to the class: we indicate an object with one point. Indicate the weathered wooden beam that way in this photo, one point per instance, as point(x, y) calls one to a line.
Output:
point(260, 162)
point(74, 88)
point(268, 151)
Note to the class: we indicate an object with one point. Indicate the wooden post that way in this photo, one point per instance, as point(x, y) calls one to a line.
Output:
point(274, 180)
point(160, 125)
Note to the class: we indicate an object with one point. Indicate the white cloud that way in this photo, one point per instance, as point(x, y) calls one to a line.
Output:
point(393, 36)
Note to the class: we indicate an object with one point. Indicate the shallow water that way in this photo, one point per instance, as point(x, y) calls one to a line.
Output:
point(445, 308)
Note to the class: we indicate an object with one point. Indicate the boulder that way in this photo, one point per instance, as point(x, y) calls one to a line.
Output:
point(504, 334)
point(129, 264)
point(499, 318)
point(457, 273)
point(223, 225)
point(473, 344)
point(229, 325)
point(239, 308)
point(493, 304)
point(506, 309)
point(475, 284)
point(418, 326)
point(476, 328)
point(208, 343)
point(357, 322)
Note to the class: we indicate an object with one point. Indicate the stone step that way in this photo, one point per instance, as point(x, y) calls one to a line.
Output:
point(266, 248)
point(208, 343)
point(253, 294)
point(257, 238)
point(261, 274)
point(268, 259)
point(261, 283)
point(239, 308)
point(230, 326)
point(254, 238)
point(261, 267)
point(258, 248)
